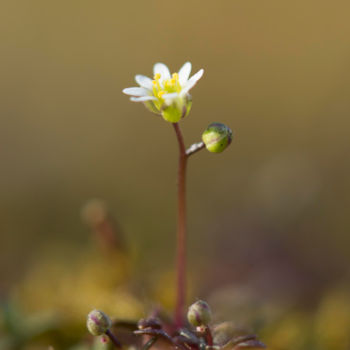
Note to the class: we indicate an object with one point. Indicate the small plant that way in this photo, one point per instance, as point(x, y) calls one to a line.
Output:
point(168, 96)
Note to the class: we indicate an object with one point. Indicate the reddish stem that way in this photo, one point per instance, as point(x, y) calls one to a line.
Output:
point(113, 339)
point(181, 231)
point(208, 336)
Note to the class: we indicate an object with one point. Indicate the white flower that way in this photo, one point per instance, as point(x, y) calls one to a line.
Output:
point(166, 94)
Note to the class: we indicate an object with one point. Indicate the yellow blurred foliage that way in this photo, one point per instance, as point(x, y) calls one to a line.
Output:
point(72, 289)
point(332, 320)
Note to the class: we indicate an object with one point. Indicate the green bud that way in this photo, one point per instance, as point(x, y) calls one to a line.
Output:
point(199, 314)
point(98, 322)
point(217, 137)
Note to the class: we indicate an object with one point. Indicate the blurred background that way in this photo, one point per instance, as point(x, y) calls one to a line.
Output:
point(269, 218)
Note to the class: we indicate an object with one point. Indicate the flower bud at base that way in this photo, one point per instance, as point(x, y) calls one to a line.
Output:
point(98, 322)
point(199, 314)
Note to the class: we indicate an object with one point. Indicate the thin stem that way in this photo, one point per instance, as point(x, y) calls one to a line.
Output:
point(195, 148)
point(181, 230)
point(113, 339)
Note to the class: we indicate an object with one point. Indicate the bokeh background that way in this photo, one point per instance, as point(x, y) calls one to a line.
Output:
point(268, 219)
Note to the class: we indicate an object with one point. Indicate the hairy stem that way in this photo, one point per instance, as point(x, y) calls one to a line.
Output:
point(181, 230)
point(195, 148)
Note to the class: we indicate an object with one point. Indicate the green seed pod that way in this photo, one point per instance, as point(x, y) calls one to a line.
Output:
point(199, 314)
point(98, 322)
point(217, 137)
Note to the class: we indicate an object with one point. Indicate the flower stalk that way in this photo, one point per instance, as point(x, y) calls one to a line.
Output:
point(195, 148)
point(181, 230)
point(181, 237)
point(113, 339)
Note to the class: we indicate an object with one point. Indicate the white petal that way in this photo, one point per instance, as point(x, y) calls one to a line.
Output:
point(170, 96)
point(187, 88)
point(136, 91)
point(142, 98)
point(144, 81)
point(184, 73)
point(197, 76)
point(163, 70)
point(192, 82)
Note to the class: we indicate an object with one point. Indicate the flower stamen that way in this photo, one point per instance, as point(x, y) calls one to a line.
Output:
point(160, 94)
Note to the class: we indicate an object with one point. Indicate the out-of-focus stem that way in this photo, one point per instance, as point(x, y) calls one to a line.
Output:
point(208, 336)
point(113, 339)
point(150, 343)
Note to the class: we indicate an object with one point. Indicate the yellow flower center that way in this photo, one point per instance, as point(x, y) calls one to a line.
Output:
point(168, 86)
